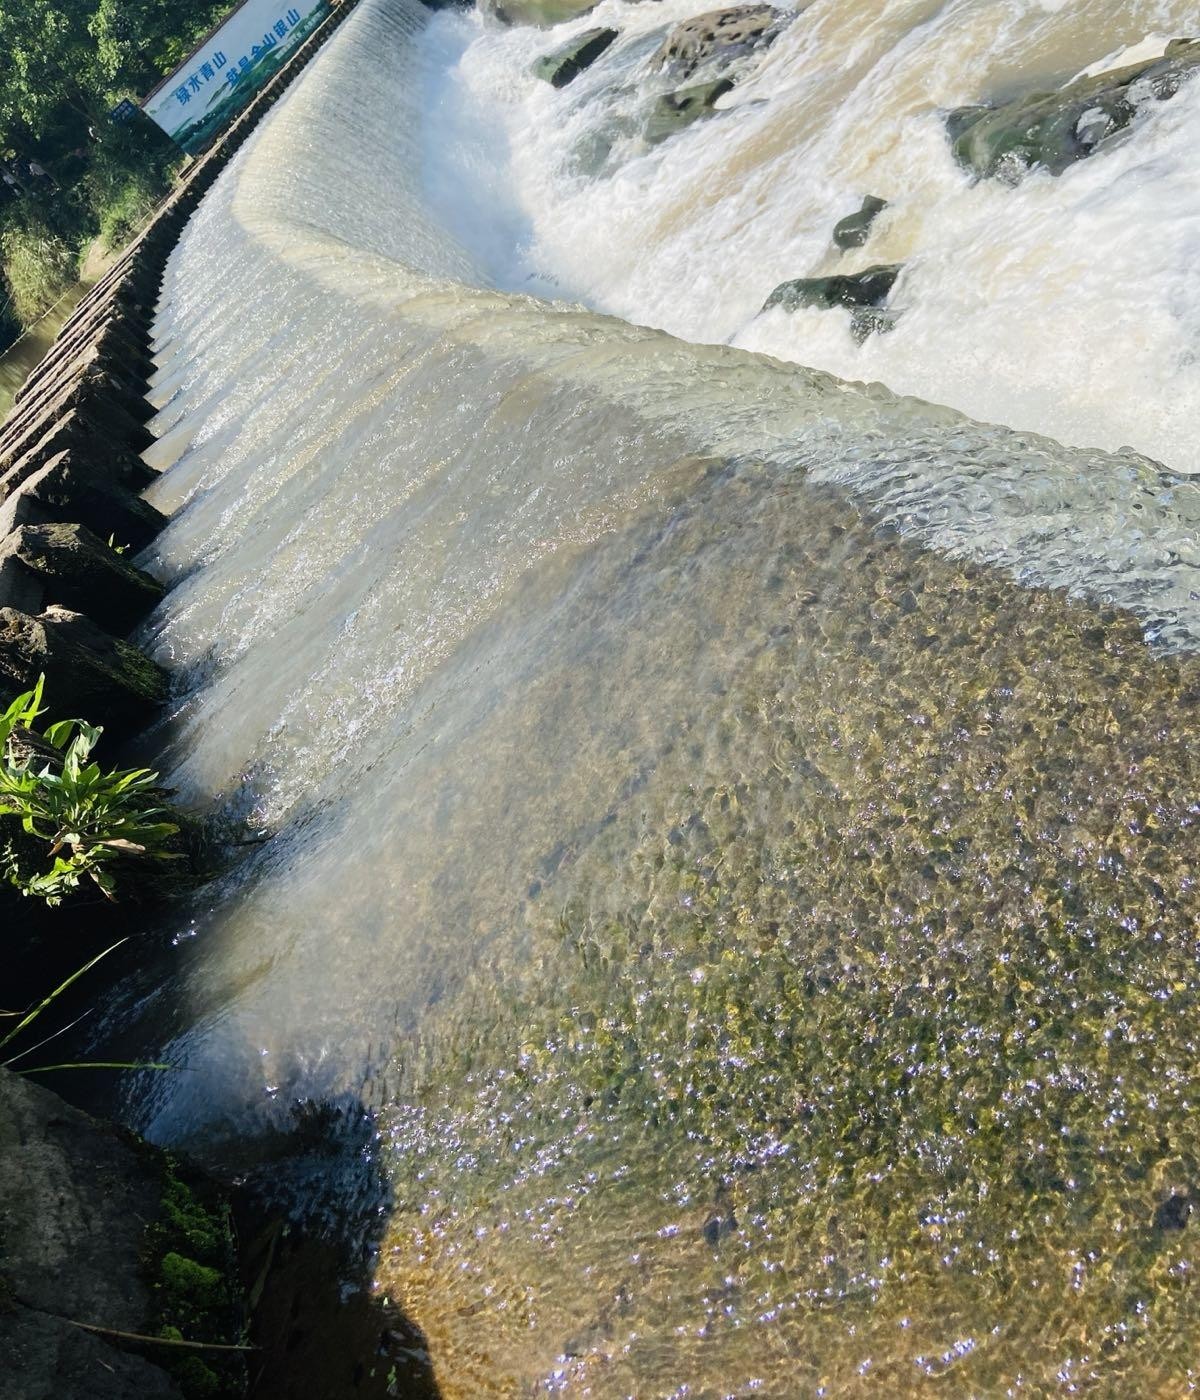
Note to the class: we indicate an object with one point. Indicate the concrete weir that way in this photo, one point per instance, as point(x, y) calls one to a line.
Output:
point(71, 473)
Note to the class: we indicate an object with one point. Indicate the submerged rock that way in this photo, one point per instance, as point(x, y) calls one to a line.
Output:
point(868, 288)
point(872, 320)
point(566, 63)
point(854, 229)
point(675, 110)
point(718, 37)
point(1054, 130)
point(543, 14)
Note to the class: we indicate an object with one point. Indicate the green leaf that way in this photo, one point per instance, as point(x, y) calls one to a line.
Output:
point(57, 992)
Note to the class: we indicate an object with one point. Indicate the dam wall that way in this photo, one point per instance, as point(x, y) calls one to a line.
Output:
point(93, 1278)
point(71, 472)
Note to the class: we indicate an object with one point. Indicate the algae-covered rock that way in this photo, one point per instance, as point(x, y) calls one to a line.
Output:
point(854, 230)
point(872, 320)
point(543, 14)
point(677, 110)
point(88, 672)
point(718, 37)
point(1054, 130)
point(566, 63)
point(867, 288)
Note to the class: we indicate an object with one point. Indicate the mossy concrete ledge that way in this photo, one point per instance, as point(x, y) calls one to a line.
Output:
point(105, 1240)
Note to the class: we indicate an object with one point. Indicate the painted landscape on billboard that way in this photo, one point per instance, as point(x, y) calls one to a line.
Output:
point(235, 61)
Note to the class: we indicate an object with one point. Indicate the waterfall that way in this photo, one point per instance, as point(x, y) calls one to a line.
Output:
point(733, 825)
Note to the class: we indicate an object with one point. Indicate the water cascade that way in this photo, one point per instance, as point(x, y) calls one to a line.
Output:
point(734, 828)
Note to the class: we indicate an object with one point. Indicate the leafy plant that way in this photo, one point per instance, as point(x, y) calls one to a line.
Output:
point(82, 819)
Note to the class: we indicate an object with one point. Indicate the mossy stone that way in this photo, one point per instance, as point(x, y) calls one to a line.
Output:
point(860, 289)
point(854, 230)
point(676, 110)
point(566, 63)
point(1053, 130)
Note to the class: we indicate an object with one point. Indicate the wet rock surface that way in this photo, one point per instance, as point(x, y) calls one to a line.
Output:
point(717, 39)
point(868, 288)
point(1054, 130)
point(86, 1213)
point(565, 64)
point(854, 230)
point(676, 110)
point(89, 672)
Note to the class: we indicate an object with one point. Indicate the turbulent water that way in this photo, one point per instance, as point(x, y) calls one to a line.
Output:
point(1068, 306)
point(734, 828)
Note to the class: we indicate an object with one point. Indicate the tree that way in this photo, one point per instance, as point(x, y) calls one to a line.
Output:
point(137, 41)
point(50, 58)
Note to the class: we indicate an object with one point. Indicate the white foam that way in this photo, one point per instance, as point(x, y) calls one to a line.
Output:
point(1066, 305)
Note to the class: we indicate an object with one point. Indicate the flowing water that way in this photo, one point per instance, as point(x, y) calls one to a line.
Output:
point(24, 353)
point(733, 827)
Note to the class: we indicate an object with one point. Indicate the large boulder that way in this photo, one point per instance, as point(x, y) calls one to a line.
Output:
point(717, 39)
point(99, 1235)
point(566, 63)
point(89, 674)
point(867, 288)
point(863, 293)
point(70, 566)
point(1054, 130)
point(676, 110)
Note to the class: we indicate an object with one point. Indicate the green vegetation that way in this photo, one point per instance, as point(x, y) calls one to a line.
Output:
point(189, 1258)
point(25, 1019)
point(77, 822)
point(67, 64)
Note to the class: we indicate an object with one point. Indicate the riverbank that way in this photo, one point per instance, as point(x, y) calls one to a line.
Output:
point(19, 359)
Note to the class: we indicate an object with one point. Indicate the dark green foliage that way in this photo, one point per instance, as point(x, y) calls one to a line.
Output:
point(189, 1258)
point(39, 264)
point(67, 64)
point(76, 821)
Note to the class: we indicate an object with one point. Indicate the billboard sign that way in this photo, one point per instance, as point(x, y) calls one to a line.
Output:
point(203, 95)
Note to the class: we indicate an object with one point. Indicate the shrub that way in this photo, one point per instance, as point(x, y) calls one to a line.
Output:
point(80, 821)
point(39, 265)
point(127, 178)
